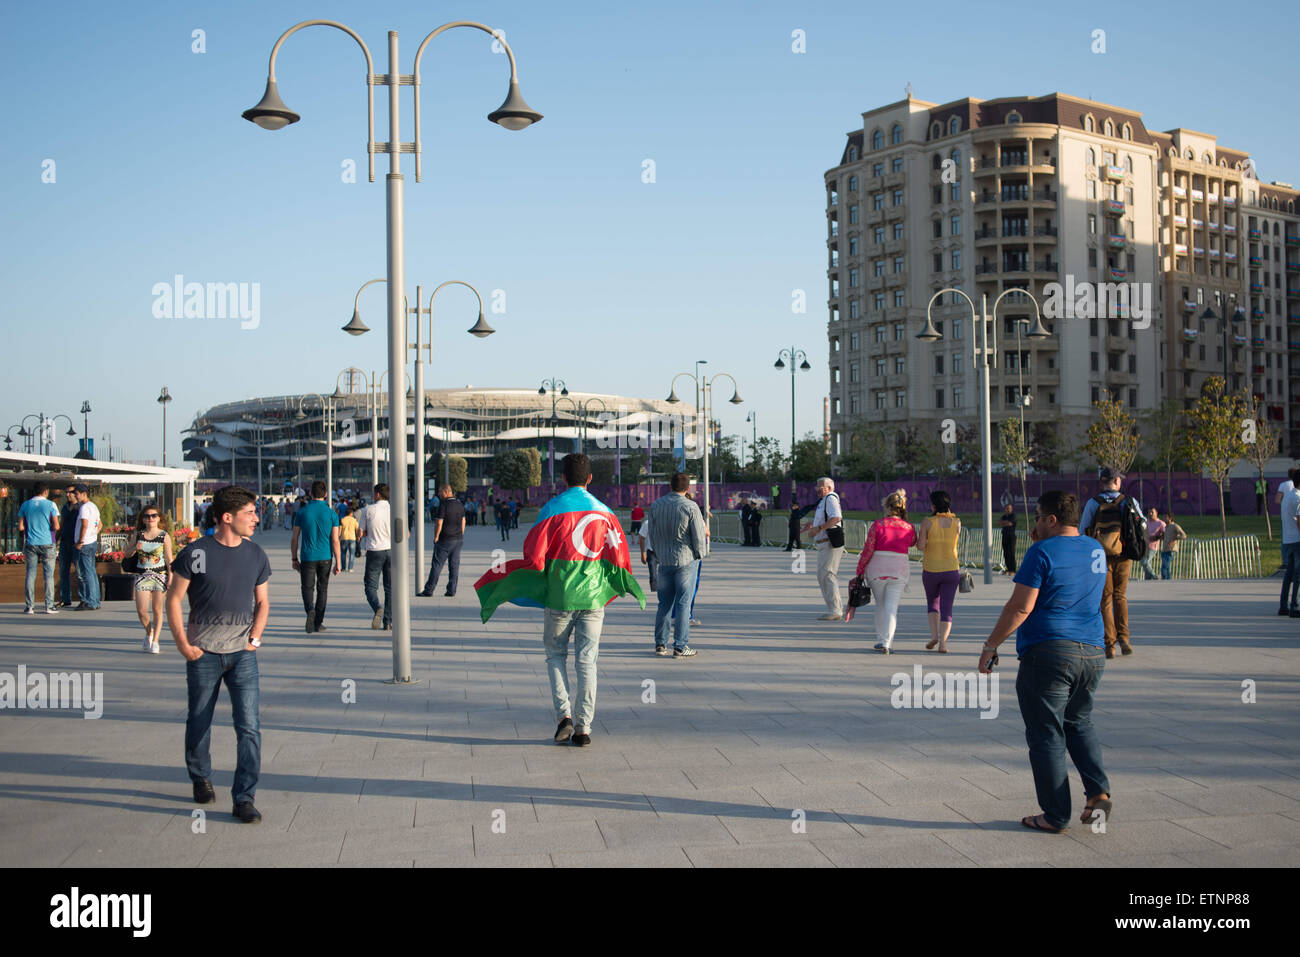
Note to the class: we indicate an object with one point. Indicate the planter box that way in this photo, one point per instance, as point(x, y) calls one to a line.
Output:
point(13, 576)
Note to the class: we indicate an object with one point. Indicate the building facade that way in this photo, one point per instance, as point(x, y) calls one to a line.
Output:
point(1124, 236)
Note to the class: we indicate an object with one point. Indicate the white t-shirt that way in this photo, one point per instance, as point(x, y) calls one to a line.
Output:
point(377, 524)
point(1285, 487)
point(88, 512)
point(645, 536)
point(1290, 506)
point(827, 508)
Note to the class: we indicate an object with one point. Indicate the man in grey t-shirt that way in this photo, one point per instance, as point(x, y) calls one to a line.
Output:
point(226, 578)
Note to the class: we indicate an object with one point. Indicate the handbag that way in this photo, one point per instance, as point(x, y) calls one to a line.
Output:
point(965, 582)
point(131, 564)
point(835, 534)
point(859, 593)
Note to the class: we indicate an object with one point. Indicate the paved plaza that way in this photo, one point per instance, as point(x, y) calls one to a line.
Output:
point(776, 746)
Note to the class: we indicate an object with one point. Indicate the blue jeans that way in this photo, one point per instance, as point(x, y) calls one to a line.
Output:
point(349, 555)
point(67, 556)
point(1290, 573)
point(87, 578)
point(203, 678)
point(584, 627)
point(699, 569)
point(44, 556)
point(1054, 686)
point(1166, 565)
point(377, 564)
point(445, 553)
point(1148, 572)
point(676, 590)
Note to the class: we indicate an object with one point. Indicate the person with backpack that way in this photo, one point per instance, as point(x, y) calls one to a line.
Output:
point(1115, 520)
point(827, 528)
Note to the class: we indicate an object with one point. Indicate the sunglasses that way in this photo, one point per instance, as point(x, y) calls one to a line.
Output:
point(152, 515)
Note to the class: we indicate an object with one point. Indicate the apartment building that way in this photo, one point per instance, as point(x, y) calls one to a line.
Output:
point(1114, 229)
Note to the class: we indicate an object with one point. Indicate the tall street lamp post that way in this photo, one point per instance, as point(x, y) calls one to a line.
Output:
point(705, 391)
point(794, 355)
point(163, 398)
point(85, 424)
point(513, 114)
point(1237, 314)
point(552, 385)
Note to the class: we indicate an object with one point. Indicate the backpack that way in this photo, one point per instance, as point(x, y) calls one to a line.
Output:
point(1120, 528)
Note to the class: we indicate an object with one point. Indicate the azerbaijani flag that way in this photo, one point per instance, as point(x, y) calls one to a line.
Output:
point(575, 557)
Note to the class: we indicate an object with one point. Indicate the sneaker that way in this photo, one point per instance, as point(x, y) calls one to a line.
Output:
point(449, 594)
point(245, 812)
point(310, 624)
point(696, 621)
point(424, 594)
point(321, 628)
point(148, 643)
point(51, 610)
point(881, 647)
point(1125, 648)
point(687, 652)
point(661, 651)
point(378, 621)
point(154, 649)
point(1283, 612)
point(564, 731)
point(581, 740)
point(203, 793)
point(1110, 652)
point(28, 610)
point(1295, 612)
point(830, 617)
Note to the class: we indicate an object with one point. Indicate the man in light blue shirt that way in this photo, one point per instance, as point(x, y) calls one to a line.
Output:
point(1291, 547)
point(38, 520)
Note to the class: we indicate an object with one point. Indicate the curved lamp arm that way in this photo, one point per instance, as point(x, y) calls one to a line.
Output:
point(450, 282)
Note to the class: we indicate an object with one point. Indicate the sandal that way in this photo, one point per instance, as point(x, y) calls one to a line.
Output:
point(943, 649)
point(931, 643)
point(1096, 804)
point(1039, 823)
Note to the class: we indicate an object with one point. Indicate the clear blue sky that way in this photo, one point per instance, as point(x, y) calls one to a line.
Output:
point(611, 283)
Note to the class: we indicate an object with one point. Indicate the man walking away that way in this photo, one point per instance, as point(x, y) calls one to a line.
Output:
point(575, 563)
point(828, 537)
point(1103, 519)
point(87, 544)
point(1055, 606)
point(68, 544)
point(1291, 547)
point(638, 516)
point(1169, 539)
point(1007, 521)
point(38, 523)
point(680, 541)
point(226, 577)
point(1155, 532)
point(448, 537)
point(376, 525)
point(502, 512)
point(320, 556)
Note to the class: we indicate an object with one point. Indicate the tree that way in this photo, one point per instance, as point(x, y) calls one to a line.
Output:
point(1047, 445)
point(602, 470)
point(1268, 439)
point(870, 455)
point(459, 471)
point(1214, 436)
point(723, 462)
point(511, 469)
point(919, 451)
point(1113, 438)
point(1013, 455)
point(767, 463)
point(969, 455)
point(1164, 431)
point(534, 466)
point(810, 459)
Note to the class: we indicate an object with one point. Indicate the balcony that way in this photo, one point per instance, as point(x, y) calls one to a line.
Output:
point(1116, 275)
point(1190, 335)
point(1254, 260)
point(1045, 232)
point(985, 200)
point(1198, 196)
point(1180, 219)
point(1113, 207)
point(985, 235)
point(1198, 223)
point(1116, 241)
point(1214, 254)
point(1256, 287)
point(1257, 341)
point(1044, 196)
point(1180, 249)
point(986, 167)
point(1230, 202)
point(1180, 191)
point(1213, 227)
point(1253, 235)
point(1047, 266)
point(1293, 293)
point(1189, 306)
point(1212, 198)
point(1229, 229)
point(1230, 257)
point(1114, 173)
point(835, 228)
point(1257, 313)
point(984, 269)
point(1198, 250)
point(893, 180)
point(1293, 242)
point(1293, 267)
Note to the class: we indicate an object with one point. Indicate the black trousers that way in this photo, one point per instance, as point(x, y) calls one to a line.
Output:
point(794, 539)
point(445, 553)
point(1009, 553)
point(315, 578)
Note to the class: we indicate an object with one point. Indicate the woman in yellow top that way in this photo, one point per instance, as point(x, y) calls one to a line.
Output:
point(938, 544)
point(348, 538)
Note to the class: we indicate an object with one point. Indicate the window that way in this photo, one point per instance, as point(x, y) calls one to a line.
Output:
point(1092, 156)
point(853, 342)
point(835, 376)
point(854, 403)
point(1108, 129)
point(853, 245)
point(1088, 124)
point(836, 404)
point(957, 362)
point(853, 214)
point(954, 125)
point(899, 331)
point(853, 278)
point(853, 183)
point(898, 197)
point(1126, 132)
point(900, 364)
point(938, 398)
point(855, 310)
point(956, 259)
point(954, 192)
point(879, 399)
point(1132, 363)
point(1092, 327)
point(938, 195)
point(878, 267)
point(956, 397)
point(1092, 189)
point(938, 230)
point(938, 363)
point(878, 333)
point(877, 140)
point(880, 234)
point(896, 135)
point(835, 343)
point(877, 200)
point(900, 299)
point(897, 165)
point(957, 326)
point(900, 398)
point(880, 368)
point(938, 262)
point(1092, 224)
point(898, 230)
point(1092, 257)
point(955, 225)
point(1013, 117)
point(1096, 394)
point(1095, 366)
point(1128, 195)
point(898, 265)
point(854, 372)
point(937, 161)
point(879, 302)
point(1132, 398)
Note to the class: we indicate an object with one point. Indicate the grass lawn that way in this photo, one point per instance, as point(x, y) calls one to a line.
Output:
point(1196, 526)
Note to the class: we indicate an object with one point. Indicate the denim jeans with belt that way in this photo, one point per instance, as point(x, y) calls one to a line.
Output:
point(584, 627)
point(676, 590)
point(87, 577)
point(203, 678)
point(42, 555)
point(1055, 686)
point(379, 563)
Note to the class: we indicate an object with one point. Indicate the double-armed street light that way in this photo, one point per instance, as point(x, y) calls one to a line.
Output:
point(705, 408)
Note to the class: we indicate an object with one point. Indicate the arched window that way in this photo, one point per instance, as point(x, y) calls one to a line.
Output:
point(1191, 154)
point(938, 161)
point(1109, 128)
point(1290, 205)
point(1173, 153)
point(1126, 131)
point(1013, 117)
point(1092, 156)
point(853, 153)
point(853, 183)
point(896, 135)
point(955, 156)
point(1223, 162)
point(877, 140)
point(1088, 124)
point(1128, 163)
point(954, 125)
point(936, 130)
point(1205, 158)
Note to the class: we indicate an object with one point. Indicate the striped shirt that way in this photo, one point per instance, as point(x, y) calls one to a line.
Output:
point(677, 530)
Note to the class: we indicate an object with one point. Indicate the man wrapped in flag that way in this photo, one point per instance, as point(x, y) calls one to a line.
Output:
point(575, 562)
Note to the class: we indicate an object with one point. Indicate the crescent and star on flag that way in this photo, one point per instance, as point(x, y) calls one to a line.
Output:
point(612, 537)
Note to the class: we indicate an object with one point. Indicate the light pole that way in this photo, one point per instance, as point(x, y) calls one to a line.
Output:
point(552, 385)
point(705, 390)
point(794, 355)
point(513, 114)
point(44, 434)
point(108, 438)
point(163, 398)
point(983, 358)
point(326, 411)
point(85, 423)
point(1238, 314)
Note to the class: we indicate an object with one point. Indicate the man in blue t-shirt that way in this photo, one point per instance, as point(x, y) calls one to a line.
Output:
point(1056, 606)
point(316, 525)
point(38, 521)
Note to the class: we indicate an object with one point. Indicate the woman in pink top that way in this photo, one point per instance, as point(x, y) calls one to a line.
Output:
point(884, 565)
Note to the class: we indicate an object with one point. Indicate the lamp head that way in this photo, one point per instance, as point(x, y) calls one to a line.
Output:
point(736, 399)
point(542, 391)
point(804, 366)
point(780, 364)
point(481, 329)
point(1209, 314)
point(514, 113)
point(70, 431)
point(355, 326)
point(672, 396)
point(564, 391)
point(1039, 331)
point(270, 112)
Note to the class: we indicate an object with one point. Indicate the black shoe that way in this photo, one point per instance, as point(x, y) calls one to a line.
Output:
point(1283, 612)
point(311, 624)
point(245, 812)
point(449, 594)
point(203, 793)
point(565, 731)
point(581, 740)
point(1295, 612)
point(321, 628)
point(424, 594)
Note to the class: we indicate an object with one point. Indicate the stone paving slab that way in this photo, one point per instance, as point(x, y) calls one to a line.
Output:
point(778, 714)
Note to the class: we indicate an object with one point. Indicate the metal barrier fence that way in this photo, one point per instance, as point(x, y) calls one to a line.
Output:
point(112, 542)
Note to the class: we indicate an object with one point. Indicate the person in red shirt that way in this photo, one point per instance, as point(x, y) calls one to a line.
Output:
point(638, 516)
point(884, 566)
